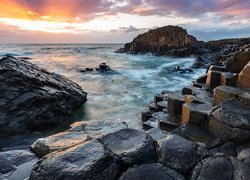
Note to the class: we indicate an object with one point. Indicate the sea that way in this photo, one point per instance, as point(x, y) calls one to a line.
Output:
point(120, 95)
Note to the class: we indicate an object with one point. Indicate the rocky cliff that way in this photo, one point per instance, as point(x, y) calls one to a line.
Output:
point(175, 41)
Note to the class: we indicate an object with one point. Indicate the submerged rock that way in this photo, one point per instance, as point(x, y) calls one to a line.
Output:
point(32, 98)
point(16, 164)
point(57, 142)
point(154, 171)
point(132, 146)
point(89, 160)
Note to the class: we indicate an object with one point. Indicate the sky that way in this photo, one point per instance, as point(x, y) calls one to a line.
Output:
point(118, 21)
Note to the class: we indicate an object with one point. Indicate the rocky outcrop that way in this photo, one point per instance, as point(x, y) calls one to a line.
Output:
point(31, 98)
point(175, 41)
point(89, 160)
point(161, 41)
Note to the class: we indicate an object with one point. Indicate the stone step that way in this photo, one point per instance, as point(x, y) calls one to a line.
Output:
point(228, 79)
point(175, 103)
point(146, 116)
point(222, 93)
point(213, 79)
point(150, 123)
point(195, 112)
point(162, 105)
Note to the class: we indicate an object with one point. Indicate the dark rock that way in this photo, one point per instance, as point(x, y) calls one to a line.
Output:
point(146, 116)
point(244, 155)
point(57, 142)
point(213, 79)
point(230, 120)
point(177, 153)
point(89, 160)
point(16, 164)
point(175, 102)
point(228, 79)
point(89, 69)
point(158, 98)
point(240, 170)
point(97, 129)
point(154, 171)
point(216, 168)
point(33, 98)
point(228, 149)
point(169, 122)
point(156, 133)
point(132, 146)
point(162, 105)
point(150, 123)
point(197, 134)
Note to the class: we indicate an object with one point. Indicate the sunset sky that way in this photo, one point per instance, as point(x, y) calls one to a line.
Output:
point(118, 21)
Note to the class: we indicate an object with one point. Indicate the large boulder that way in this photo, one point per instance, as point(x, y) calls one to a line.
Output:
point(16, 164)
point(240, 60)
point(131, 146)
point(230, 120)
point(32, 98)
point(154, 171)
point(177, 153)
point(244, 77)
point(216, 168)
point(57, 142)
point(89, 160)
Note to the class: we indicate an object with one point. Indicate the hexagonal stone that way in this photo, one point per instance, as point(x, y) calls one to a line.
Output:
point(154, 171)
point(132, 146)
point(56, 142)
point(230, 120)
point(213, 79)
point(177, 153)
point(228, 79)
point(244, 77)
point(175, 102)
point(156, 133)
point(216, 168)
point(88, 160)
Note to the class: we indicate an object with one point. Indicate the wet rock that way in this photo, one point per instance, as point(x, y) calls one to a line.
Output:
point(244, 77)
point(240, 170)
point(131, 146)
point(162, 105)
point(89, 69)
point(244, 155)
point(230, 120)
point(97, 129)
point(89, 160)
point(150, 123)
point(156, 133)
point(158, 98)
point(169, 122)
point(223, 93)
point(216, 168)
point(56, 142)
point(16, 164)
point(33, 98)
point(197, 134)
point(152, 107)
point(103, 67)
point(154, 171)
point(177, 153)
point(202, 79)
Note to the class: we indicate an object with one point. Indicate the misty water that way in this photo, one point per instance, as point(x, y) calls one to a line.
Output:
point(119, 96)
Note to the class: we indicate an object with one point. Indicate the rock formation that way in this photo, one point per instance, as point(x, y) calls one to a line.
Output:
point(32, 98)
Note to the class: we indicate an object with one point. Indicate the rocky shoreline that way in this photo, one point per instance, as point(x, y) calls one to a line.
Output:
point(199, 132)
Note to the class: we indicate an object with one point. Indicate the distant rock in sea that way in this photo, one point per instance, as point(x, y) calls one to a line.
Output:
point(31, 98)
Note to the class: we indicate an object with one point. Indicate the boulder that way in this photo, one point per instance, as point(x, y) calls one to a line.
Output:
point(33, 98)
point(244, 98)
point(162, 105)
point(228, 79)
point(16, 164)
point(243, 80)
point(177, 153)
point(146, 116)
point(175, 102)
point(195, 112)
point(57, 142)
point(150, 123)
point(222, 93)
point(153, 171)
point(196, 134)
point(216, 168)
point(156, 133)
point(213, 79)
point(228, 149)
point(240, 170)
point(230, 120)
point(240, 60)
point(97, 129)
point(131, 146)
point(89, 160)
point(244, 155)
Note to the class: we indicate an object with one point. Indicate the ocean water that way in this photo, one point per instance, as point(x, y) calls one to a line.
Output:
point(119, 96)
